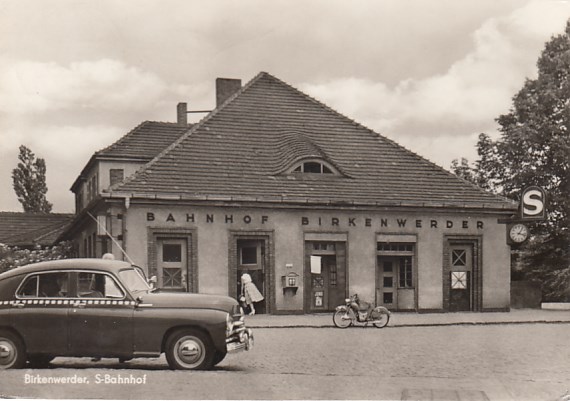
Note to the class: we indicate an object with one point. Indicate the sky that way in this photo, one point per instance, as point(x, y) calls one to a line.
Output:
point(77, 75)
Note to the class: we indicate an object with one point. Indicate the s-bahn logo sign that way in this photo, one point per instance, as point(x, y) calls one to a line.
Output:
point(533, 204)
point(532, 208)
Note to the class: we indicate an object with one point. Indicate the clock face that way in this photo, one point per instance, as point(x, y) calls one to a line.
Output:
point(518, 233)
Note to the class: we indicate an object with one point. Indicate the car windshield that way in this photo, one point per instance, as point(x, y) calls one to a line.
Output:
point(133, 280)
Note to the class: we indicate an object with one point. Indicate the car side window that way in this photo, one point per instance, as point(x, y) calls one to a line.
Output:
point(48, 285)
point(30, 288)
point(97, 285)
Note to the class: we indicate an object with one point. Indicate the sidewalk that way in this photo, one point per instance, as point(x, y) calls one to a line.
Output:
point(412, 319)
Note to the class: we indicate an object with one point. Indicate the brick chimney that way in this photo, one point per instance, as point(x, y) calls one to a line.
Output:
point(225, 88)
point(181, 114)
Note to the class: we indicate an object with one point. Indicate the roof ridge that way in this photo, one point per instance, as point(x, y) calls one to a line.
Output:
point(60, 227)
point(37, 234)
point(36, 213)
point(190, 131)
point(131, 132)
point(39, 231)
point(378, 135)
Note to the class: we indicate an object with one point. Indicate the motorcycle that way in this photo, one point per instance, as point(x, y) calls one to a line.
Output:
point(355, 311)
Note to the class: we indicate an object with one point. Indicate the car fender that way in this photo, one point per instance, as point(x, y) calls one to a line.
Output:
point(153, 325)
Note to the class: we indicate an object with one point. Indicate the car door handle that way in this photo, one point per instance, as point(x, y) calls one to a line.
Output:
point(79, 305)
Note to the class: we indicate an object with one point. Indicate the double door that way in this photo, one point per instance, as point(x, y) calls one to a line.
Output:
point(395, 287)
point(386, 282)
point(324, 284)
point(325, 272)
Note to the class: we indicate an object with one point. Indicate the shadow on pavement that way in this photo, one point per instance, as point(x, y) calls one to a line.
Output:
point(153, 364)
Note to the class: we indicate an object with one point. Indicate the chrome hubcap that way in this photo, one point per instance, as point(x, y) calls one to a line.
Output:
point(190, 351)
point(7, 352)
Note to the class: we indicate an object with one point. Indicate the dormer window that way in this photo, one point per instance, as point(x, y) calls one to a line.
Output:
point(314, 167)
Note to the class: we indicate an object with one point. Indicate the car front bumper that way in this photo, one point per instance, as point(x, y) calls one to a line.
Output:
point(240, 339)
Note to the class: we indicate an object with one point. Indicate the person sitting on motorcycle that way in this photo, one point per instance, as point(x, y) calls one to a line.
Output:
point(363, 306)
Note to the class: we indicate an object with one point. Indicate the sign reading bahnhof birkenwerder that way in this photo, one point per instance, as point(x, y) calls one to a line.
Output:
point(320, 221)
point(309, 206)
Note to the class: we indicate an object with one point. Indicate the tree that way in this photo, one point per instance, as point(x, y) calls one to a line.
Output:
point(534, 149)
point(485, 172)
point(29, 180)
point(487, 168)
point(463, 170)
point(13, 257)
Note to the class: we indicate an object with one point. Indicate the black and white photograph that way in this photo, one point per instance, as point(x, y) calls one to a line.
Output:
point(285, 200)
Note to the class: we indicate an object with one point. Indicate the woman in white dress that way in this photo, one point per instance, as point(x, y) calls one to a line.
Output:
point(249, 292)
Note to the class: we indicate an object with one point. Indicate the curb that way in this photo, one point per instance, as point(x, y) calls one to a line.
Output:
point(310, 326)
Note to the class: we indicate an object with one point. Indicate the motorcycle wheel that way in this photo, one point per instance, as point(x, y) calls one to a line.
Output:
point(381, 317)
point(343, 318)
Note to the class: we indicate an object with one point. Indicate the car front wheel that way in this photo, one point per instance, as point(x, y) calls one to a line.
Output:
point(12, 351)
point(189, 350)
point(219, 357)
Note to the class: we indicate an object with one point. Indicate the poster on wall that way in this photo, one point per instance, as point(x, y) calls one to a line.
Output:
point(316, 264)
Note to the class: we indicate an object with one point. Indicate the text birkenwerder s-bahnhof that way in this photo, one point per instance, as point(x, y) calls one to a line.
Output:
point(313, 205)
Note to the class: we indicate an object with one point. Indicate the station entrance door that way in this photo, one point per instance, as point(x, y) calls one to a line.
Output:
point(325, 275)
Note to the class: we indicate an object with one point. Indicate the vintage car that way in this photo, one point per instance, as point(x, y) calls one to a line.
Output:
point(102, 308)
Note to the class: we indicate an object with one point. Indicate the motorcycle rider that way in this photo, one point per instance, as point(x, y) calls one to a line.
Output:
point(362, 307)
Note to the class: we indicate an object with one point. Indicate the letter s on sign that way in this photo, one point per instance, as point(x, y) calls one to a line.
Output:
point(533, 200)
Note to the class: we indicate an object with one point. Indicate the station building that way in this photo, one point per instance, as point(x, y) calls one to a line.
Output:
point(313, 205)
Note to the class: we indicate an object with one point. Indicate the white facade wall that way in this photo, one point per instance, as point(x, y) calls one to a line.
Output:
point(288, 227)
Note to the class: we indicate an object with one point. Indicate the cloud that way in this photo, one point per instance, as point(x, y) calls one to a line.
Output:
point(468, 96)
point(429, 74)
point(442, 149)
point(66, 149)
point(42, 87)
point(65, 113)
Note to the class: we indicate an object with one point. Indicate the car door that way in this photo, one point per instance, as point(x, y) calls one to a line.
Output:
point(100, 317)
point(40, 312)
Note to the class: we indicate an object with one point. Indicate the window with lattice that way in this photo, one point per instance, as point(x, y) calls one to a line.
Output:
point(459, 280)
point(458, 257)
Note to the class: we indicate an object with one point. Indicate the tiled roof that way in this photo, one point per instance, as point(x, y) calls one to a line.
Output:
point(145, 141)
point(240, 150)
point(142, 143)
point(26, 229)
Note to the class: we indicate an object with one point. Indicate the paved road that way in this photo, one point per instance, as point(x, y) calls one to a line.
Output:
point(504, 362)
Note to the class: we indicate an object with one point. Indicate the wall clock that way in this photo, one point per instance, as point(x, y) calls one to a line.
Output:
point(518, 233)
